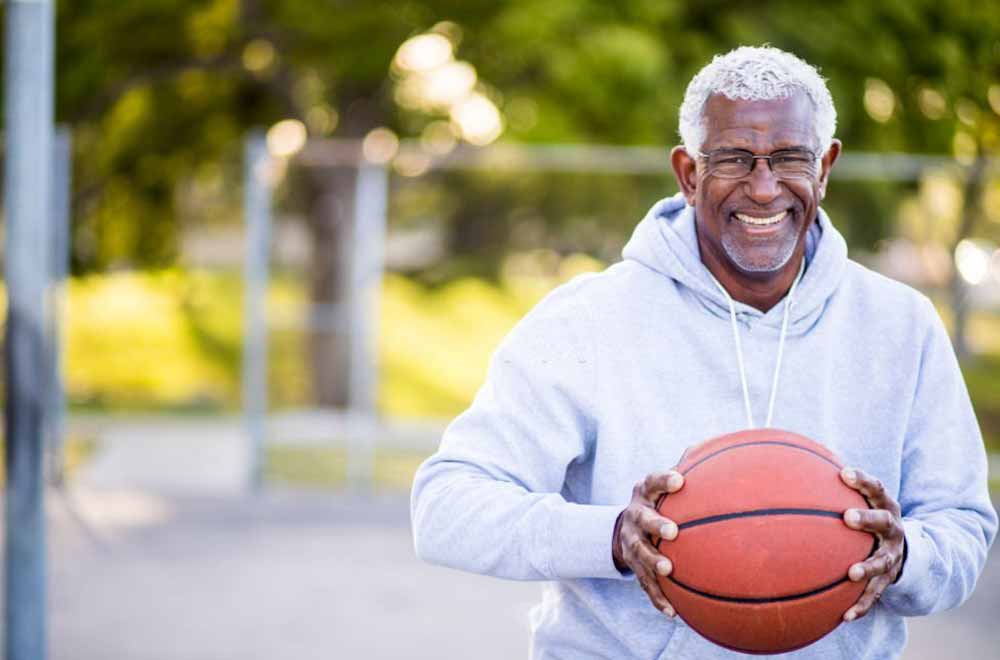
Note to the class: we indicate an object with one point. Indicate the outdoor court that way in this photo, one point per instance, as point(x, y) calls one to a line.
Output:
point(313, 575)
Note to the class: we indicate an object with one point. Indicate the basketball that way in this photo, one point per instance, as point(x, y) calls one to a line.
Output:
point(761, 560)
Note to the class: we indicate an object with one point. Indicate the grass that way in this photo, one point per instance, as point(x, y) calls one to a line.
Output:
point(326, 467)
point(982, 376)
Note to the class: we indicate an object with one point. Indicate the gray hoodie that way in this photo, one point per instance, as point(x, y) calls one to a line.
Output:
point(614, 374)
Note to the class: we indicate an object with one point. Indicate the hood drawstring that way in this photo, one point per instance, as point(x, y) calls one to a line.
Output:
point(739, 348)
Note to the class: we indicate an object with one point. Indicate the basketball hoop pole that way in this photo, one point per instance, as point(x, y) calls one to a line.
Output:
point(28, 74)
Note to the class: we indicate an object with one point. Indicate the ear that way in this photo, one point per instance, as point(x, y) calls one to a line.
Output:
point(685, 171)
point(826, 164)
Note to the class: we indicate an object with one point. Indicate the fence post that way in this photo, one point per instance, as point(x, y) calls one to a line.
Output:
point(257, 210)
point(59, 237)
point(367, 257)
point(28, 75)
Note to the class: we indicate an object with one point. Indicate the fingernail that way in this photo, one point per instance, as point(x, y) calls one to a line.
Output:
point(675, 481)
point(668, 531)
point(669, 611)
point(663, 567)
point(856, 572)
point(849, 474)
point(850, 615)
point(852, 517)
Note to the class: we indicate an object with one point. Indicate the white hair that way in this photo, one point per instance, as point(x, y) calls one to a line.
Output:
point(755, 74)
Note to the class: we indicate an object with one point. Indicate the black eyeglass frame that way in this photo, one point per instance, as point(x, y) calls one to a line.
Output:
point(816, 156)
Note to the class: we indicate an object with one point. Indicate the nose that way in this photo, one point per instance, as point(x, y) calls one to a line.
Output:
point(762, 185)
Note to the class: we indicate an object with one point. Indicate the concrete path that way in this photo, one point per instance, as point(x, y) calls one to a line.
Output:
point(157, 553)
point(212, 456)
point(313, 576)
point(187, 457)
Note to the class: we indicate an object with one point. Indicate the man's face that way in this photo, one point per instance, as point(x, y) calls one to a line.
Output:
point(752, 227)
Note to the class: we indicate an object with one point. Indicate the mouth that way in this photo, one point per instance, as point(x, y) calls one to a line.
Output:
point(761, 221)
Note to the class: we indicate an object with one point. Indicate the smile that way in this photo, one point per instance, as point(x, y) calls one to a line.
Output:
point(761, 222)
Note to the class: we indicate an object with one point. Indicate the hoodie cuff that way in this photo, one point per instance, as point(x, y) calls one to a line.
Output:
point(919, 555)
point(580, 542)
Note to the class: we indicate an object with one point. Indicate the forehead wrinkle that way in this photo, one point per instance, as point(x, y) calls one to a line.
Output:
point(758, 141)
point(758, 125)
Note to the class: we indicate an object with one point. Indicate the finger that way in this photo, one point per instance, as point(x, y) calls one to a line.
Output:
point(642, 551)
point(656, 525)
point(877, 521)
point(654, 592)
point(660, 483)
point(868, 599)
point(873, 489)
point(878, 564)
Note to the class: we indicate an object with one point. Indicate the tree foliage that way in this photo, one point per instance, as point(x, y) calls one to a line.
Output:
point(159, 92)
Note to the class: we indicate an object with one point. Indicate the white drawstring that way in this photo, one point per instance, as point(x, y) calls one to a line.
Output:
point(781, 348)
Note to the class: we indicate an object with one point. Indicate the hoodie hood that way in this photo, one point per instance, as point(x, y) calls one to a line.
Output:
point(666, 241)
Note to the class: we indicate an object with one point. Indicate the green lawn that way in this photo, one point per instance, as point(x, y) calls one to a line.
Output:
point(326, 467)
point(982, 376)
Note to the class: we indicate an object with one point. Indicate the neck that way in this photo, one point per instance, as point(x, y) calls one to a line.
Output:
point(762, 291)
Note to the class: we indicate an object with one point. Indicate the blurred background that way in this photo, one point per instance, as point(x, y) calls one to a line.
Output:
point(295, 232)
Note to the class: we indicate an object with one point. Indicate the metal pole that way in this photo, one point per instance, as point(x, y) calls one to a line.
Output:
point(257, 207)
point(366, 266)
point(28, 73)
point(55, 415)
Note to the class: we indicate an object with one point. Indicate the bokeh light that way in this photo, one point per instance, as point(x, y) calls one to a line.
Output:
point(448, 84)
point(478, 120)
point(879, 100)
point(380, 145)
point(972, 259)
point(322, 119)
point(286, 138)
point(964, 147)
point(438, 138)
point(423, 53)
point(932, 103)
point(412, 163)
point(258, 55)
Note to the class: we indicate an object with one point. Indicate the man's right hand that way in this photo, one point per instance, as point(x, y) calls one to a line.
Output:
point(632, 546)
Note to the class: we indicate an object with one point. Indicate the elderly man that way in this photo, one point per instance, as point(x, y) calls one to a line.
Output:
point(735, 303)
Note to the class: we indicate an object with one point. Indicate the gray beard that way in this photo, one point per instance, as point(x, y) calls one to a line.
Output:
point(779, 257)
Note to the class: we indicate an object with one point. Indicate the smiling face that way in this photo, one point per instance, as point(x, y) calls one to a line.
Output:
point(751, 230)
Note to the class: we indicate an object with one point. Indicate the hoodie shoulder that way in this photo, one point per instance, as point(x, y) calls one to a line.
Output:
point(877, 295)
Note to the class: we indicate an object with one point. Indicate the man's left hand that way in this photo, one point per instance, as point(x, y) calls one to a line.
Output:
point(885, 521)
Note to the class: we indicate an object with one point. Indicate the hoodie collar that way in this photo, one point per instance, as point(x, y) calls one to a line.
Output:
point(666, 241)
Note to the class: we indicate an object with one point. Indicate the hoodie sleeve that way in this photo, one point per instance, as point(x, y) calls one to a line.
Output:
point(947, 515)
point(491, 500)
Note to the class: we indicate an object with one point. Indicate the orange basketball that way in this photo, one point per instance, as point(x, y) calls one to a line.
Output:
point(761, 560)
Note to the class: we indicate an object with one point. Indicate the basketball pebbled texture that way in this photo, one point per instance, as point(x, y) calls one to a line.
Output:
point(761, 560)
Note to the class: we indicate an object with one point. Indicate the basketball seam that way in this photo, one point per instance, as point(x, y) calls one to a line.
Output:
point(751, 600)
point(761, 442)
point(773, 599)
point(759, 512)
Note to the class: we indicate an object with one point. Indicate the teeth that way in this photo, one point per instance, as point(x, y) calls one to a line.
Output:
point(750, 220)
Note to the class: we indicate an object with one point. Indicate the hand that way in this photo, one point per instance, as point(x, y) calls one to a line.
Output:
point(632, 545)
point(885, 521)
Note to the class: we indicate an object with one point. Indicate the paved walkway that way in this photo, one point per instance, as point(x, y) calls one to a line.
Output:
point(313, 576)
point(157, 553)
point(212, 456)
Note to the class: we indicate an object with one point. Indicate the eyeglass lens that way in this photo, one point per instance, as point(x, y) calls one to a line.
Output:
point(786, 164)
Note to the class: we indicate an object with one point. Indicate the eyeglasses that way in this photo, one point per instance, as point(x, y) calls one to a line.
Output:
point(784, 163)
